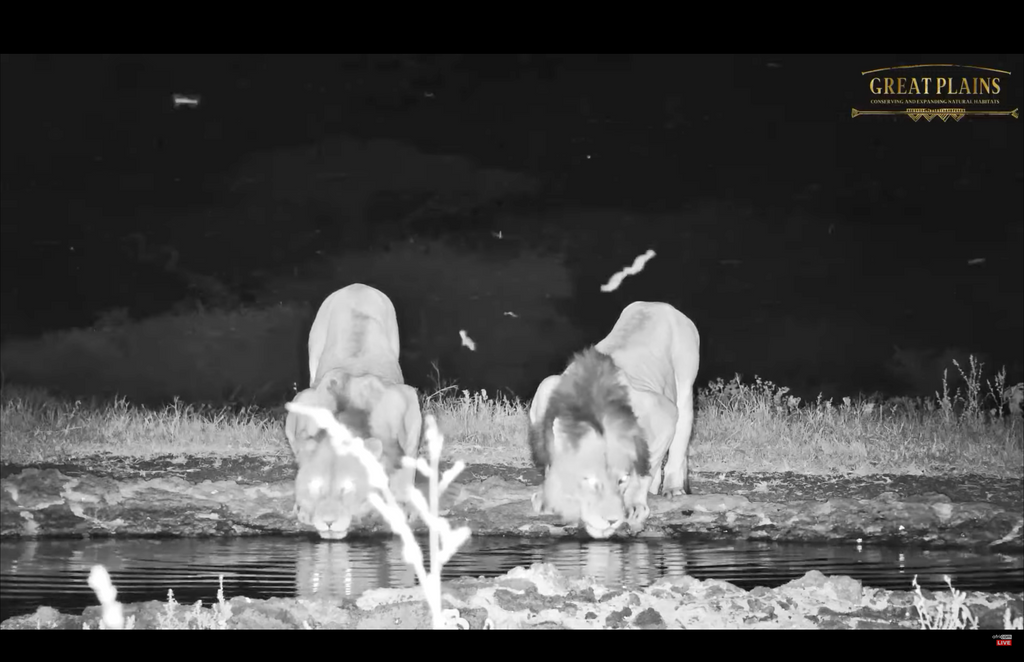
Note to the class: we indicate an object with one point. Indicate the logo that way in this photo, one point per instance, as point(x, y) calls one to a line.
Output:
point(935, 91)
point(1003, 639)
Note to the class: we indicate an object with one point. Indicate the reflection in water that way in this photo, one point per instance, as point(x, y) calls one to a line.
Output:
point(338, 570)
point(628, 563)
point(54, 572)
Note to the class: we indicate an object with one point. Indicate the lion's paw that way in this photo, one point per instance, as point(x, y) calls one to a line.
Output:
point(638, 517)
point(675, 484)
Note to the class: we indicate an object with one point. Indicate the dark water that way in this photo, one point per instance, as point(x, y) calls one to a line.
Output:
point(55, 573)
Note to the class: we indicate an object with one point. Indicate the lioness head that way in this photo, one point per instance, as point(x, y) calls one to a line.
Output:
point(589, 444)
point(331, 488)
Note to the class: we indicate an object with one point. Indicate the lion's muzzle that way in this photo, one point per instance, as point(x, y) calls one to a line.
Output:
point(600, 528)
point(333, 530)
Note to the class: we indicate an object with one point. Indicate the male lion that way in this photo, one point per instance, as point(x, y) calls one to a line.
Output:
point(600, 430)
point(353, 372)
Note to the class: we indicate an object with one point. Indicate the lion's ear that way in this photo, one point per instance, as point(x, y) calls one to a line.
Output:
point(375, 447)
point(539, 404)
point(559, 442)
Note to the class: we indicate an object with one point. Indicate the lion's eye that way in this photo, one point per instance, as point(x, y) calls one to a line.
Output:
point(592, 483)
point(623, 480)
point(317, 486)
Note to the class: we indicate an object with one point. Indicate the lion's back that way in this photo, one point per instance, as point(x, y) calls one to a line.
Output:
point(654, 344)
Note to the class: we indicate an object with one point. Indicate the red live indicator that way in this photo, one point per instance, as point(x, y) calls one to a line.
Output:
point(1004, 642)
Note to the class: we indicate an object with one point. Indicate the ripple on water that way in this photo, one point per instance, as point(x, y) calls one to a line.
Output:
point(54, 572)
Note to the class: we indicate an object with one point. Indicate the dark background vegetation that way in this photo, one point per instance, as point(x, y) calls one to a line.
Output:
point(190, 247)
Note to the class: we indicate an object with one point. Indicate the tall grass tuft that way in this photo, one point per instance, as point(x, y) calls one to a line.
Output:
point(37, 427)
point(942, 615)
point(759, 426)
point(490, 429)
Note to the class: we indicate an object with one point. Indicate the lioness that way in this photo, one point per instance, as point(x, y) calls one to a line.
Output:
point(354, 372)
point(601, 430)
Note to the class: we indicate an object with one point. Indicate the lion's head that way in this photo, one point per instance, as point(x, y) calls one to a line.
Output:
point(587, 440)
point(330, 488)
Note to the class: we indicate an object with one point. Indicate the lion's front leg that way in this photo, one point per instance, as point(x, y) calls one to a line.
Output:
point(657, 415)
point(635, 500)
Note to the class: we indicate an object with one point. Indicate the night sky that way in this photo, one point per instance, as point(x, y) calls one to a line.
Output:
point(807, 245)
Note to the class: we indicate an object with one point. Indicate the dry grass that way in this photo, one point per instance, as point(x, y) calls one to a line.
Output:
point(759, 427)
point(751, 427)
point(35, 427)
point(482, 429)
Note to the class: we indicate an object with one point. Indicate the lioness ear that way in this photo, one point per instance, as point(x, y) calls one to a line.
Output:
point(294, 421)
point(374, 446)
point(304, 450)
point(413, 422)
point(289, 430)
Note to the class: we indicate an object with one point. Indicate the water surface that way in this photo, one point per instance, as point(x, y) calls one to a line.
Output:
point(55, 572)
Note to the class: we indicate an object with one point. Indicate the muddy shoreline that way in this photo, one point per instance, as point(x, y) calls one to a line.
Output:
point(116, 496)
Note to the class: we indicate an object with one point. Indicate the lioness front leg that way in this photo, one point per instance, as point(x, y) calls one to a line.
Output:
point(402, 484)
point(537, 499)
